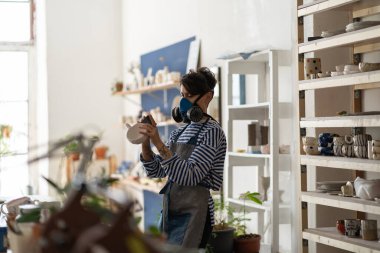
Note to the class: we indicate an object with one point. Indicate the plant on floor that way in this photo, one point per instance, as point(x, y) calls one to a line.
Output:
point(244, 242)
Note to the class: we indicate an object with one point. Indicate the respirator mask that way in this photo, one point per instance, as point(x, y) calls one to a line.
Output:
point(187, 111)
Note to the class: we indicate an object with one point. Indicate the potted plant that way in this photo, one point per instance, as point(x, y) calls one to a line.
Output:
point(244, 242)
point(117, 86)
point(222, 236)
point(72, 150)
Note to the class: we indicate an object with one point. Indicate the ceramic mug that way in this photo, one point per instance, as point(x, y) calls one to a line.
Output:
point(312, 67)
point(352, 227)
point(340, 226)
point(369, 230)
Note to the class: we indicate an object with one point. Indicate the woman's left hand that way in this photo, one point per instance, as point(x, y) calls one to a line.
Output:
point(151, 131)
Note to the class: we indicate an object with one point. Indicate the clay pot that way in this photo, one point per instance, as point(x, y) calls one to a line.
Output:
point(75, 156)
point(247, 243)
point(100, 152)
point(119, 86)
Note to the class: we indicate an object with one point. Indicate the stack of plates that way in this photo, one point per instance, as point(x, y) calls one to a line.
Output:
point(351, 69)
point(360, 25)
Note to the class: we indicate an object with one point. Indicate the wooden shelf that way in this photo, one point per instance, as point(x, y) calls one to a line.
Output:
point(147, 89)
point(350, 38)
point(330, 236)
point(337, 201)
point(369, 78)
point(247, 155)
point(341, 162)
point(322, 5)
point(342, 121)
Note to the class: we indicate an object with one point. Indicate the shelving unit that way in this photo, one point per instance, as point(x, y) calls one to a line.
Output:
point(326, 14)
point(265, 66)
point(149, 88)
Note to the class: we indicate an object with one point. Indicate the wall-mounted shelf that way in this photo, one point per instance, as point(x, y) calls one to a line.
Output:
point(342, 121)
point(345, 39)
point(371, 78)
point(149, 88)
point(247, 155)
point(341, 162)
point(349, 203)
point(322, 5)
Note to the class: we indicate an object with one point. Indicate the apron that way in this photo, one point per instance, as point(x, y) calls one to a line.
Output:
point(185, 208)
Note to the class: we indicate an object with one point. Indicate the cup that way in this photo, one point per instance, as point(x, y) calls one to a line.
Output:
point(312, 67)
point(352, 227)
point(340, 226)
point(369, 230)
point(362, 139)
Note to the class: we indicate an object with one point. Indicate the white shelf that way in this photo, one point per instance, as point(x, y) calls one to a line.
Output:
point(247, 155)
point(330, 236)
point(168, 123)
point(249, 204)
point(344, 39)
point(322, 5)
point(341, 162)
point(337, 201)
point(149, 88)
point(372, 77)
point(253, 205)
point(342, 121)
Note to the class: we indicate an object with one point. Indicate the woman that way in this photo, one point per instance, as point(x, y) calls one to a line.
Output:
point(193, 161)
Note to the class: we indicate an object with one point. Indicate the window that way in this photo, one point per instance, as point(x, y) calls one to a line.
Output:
point(15, 49)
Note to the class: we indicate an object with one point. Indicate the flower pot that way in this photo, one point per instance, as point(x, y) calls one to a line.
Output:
point(100, 152)
point(119, 86)
point(222, 241)
point(75, 156)
point(247, 243)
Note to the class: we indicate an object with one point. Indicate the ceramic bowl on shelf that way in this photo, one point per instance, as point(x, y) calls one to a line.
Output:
point(339, 68)
point(367, 189)
point(311, 150)
point(323, 75)
point(351, 67)
point(330, 185)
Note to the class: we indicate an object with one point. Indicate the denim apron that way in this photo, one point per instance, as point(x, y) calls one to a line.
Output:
point(184, 207)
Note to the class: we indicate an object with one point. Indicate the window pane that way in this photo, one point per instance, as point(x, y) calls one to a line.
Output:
point(14, 21)
point(15, 115)
point(13, 175)
point(13, 76)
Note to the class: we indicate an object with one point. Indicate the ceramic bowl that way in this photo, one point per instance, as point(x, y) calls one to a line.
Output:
point(337, 73)
point(339, 68)
point(354, 68)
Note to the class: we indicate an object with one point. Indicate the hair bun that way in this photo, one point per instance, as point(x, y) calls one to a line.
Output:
point(210, 76)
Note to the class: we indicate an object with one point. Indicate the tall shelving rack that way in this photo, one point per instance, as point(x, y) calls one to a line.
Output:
point(355, 43)
point(264, 64)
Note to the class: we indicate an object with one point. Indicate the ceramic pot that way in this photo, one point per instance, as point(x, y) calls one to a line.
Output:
point(339, 140)
point(367, 189)
point(369, 230)
point(134, 135)
point(100, 152)
point(311, 150)
point(312, 67)
point(338, 150)
point(222, 241)
point(309, 141)
point(326, 139)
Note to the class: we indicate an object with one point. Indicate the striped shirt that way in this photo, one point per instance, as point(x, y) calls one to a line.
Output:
point(205, 164)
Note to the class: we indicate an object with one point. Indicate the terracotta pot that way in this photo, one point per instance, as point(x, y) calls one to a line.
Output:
point(75, 156)
point(247, 244)
point(100, 152)
point(119, 86)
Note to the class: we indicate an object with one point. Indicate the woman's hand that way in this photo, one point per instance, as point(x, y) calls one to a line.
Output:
point(151, 131)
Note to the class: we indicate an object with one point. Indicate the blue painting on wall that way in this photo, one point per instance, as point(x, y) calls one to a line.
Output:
point(175, 58)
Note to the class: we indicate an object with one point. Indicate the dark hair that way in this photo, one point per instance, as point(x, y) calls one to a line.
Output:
point(199, 82)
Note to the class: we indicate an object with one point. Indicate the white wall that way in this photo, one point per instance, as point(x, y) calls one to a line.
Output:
point(84, 56)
